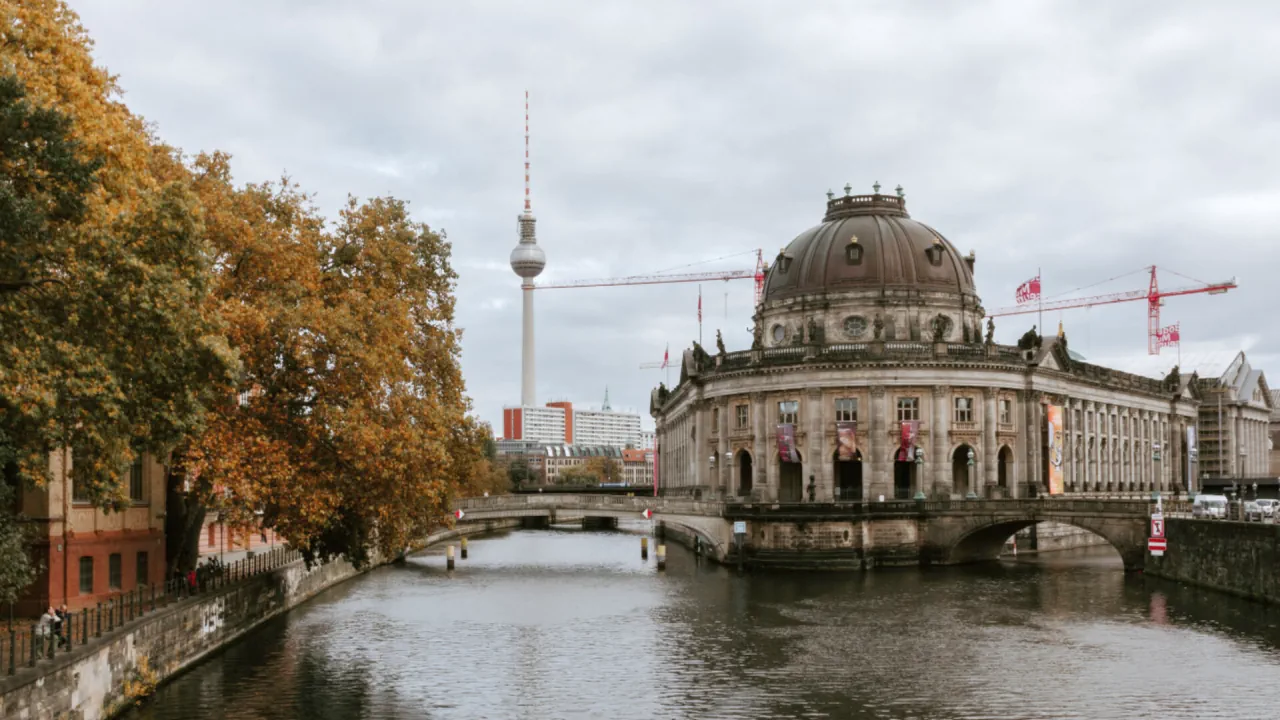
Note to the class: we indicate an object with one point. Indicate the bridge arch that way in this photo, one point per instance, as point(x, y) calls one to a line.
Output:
point(980, 539)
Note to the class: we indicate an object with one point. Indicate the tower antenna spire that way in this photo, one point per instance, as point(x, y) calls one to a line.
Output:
point(528, 207)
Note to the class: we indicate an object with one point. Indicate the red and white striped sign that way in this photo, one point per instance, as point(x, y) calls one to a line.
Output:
point(1157, 546)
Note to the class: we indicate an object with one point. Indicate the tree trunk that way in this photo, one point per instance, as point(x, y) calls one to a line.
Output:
point(184, 519)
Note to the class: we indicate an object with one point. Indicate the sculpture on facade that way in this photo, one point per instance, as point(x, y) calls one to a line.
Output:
point(877, 327)
point(1174, 379)
point(991, 331)
point(719, 344)
point(757, 336)
point(939, 328)
point(1029, 340)
point(816, 334)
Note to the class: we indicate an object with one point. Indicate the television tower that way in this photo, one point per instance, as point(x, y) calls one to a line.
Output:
point(527, 260)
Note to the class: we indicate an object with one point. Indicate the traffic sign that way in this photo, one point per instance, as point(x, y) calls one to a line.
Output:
point(458, 514)
point(739, 527)
point(1157, 546)
point(1157, 525)
point(646, 513)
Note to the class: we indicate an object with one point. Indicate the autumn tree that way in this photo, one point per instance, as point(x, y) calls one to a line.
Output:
point(576, 475)
point(604, 469)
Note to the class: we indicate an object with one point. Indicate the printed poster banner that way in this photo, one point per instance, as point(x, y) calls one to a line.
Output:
point(910, 433)
point(787, 443)
point(1193, 454)
point(1056, 442)
point(846, 441)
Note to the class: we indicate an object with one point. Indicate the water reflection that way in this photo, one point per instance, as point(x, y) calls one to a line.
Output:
point(572, 624)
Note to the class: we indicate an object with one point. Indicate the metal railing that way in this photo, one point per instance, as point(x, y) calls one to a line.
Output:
point(29, 646)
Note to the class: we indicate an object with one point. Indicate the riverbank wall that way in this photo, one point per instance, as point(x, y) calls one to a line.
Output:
point(1239, 558)
point(109, 675)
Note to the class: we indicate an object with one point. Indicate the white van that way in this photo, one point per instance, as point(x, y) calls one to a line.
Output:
point(1213, 507)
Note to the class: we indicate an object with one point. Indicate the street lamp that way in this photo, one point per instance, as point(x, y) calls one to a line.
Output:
point(919, 472)
point(970, 458)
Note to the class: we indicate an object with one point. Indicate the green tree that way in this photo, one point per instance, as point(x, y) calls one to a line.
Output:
point(577, 475)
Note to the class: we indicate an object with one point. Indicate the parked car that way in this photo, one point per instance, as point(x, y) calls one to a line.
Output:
point(1213, 507)
point(1252, 511)
point(1268, 507)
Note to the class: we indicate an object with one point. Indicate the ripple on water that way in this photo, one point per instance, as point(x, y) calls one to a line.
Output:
point(575, 625)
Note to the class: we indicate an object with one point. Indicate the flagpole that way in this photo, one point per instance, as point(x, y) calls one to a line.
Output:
point(699, 313)
point(1040, 301)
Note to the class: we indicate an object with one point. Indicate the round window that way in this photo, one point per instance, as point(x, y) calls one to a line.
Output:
point(855, 326)
point(779, 333)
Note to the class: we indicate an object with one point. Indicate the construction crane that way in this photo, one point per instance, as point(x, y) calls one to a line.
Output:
point(1157, 337)
point(757, 274)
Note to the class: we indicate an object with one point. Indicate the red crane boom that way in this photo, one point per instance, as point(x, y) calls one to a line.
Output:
point(1157, 337)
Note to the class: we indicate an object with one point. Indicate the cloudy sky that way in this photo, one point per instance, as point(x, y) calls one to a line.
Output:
point(1087, 139)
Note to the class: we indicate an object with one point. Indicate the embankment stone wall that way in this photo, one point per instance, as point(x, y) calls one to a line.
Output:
point(1234, 557)
point(89, 682)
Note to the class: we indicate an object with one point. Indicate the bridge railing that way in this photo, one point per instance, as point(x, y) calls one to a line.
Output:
point(688, 506)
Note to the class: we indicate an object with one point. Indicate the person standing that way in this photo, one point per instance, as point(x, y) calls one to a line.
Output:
point(44, 633)
point(61, 626)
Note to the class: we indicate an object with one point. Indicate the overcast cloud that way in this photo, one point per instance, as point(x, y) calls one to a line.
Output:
point(1088, 139)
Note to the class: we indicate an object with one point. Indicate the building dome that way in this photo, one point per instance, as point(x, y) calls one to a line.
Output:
point(868, 242)
point(868, 266)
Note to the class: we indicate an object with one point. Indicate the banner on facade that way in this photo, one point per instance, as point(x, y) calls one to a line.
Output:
point(846, 441)
point(907, 447)
point(787, 443)
point(1056, 442)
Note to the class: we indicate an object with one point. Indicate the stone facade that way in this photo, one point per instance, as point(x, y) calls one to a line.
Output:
point(881, 329)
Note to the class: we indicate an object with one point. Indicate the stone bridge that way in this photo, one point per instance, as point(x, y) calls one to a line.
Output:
point(844, 535)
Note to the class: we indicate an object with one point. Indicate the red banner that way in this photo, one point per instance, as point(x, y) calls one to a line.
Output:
point(910, 432)
point(1028, 291)
point(787, 443)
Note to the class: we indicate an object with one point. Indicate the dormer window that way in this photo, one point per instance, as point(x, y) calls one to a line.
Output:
point(853, 252)
point(935, 253)
point(784, 263)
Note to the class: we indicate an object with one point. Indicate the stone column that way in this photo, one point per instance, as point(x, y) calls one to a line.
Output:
point(1237, 438)
point(701, 463)
point(814, 460)
point(760, 461)
point(989, 449)
point(725, 468)
point(1035, 421)
point(877, 462)
point(942, 482)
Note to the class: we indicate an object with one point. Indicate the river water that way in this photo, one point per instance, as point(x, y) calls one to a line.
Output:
point(572, 624)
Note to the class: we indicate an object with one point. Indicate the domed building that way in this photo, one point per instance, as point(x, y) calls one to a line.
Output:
point(870, 378)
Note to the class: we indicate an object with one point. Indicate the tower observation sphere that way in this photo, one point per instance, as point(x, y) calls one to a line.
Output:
point(527, 259)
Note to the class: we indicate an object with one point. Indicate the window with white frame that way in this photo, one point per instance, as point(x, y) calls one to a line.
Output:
point(964, 410)
point(1006, 412)
point(846, 409)
point(908, 409)
point(742, 418)
point(787, 411)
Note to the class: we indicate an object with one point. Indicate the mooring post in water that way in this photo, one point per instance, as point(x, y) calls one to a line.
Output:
point(644, 547)
point(662, 557)
point(464, 547)
point(448, 562)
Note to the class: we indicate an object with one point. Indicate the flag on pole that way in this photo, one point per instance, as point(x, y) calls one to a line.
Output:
point(666, 356)
point(1168, 335)
point(699, 303)
point(1028, 291)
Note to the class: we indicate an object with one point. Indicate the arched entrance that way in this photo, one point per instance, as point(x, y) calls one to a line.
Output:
point(744, 472)
point(790, 480)
point(1004, 470)
point(986, 542)
point(904, 474)
point(961, 473)
point(848, 475)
